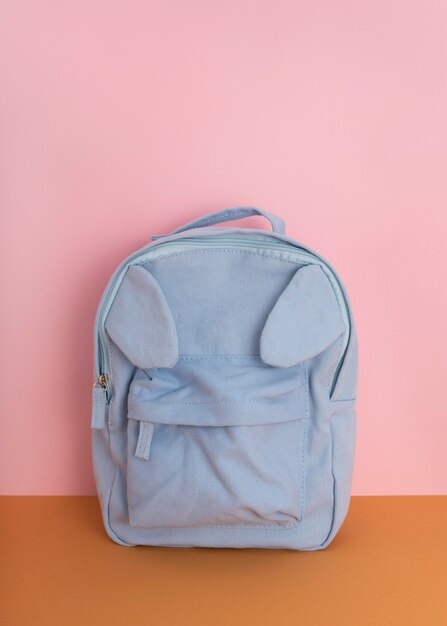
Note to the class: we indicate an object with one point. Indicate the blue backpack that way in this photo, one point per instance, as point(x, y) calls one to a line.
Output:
point(224, 394)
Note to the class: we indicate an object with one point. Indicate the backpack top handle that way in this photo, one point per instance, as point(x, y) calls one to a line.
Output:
point(226, 215)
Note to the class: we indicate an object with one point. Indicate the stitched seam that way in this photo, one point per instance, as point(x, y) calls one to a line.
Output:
point(272, 255)
point(194, 424)
point(226, 217)
point(108, 510)
point(272, 526)
point(303, 445)
point(331, 377)
point(229, 400)
point(110, 412)
point(194, 357)
point(334, 482)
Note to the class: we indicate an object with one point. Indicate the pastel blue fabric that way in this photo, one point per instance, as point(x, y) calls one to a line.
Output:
point(223, 410)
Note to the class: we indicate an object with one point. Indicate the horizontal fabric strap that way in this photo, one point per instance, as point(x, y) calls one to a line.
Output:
point(219, 391)
point(222, 413)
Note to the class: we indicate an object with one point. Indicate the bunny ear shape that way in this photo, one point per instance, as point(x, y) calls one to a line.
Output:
point(305, 320)
point(140, 321)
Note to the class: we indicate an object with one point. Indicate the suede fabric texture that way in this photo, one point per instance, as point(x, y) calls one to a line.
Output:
point(224, 427)
point(307, 303)
point(140, 322)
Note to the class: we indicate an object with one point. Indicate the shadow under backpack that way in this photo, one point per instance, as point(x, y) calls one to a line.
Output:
point(224, 393)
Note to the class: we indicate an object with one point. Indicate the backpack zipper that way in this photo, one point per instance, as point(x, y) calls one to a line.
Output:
point(257, 241)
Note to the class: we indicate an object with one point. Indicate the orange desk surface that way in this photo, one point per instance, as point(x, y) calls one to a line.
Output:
point(387, 566)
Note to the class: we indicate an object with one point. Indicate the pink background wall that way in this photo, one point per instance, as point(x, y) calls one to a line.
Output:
point(121, 119)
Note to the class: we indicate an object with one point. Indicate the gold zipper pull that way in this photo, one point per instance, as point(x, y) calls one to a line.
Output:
point(103, 380)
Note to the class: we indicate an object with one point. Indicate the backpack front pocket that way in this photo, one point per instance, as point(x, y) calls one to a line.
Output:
point(217, 441)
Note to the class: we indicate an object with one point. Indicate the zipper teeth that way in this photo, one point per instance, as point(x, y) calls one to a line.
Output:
point(221, 242)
